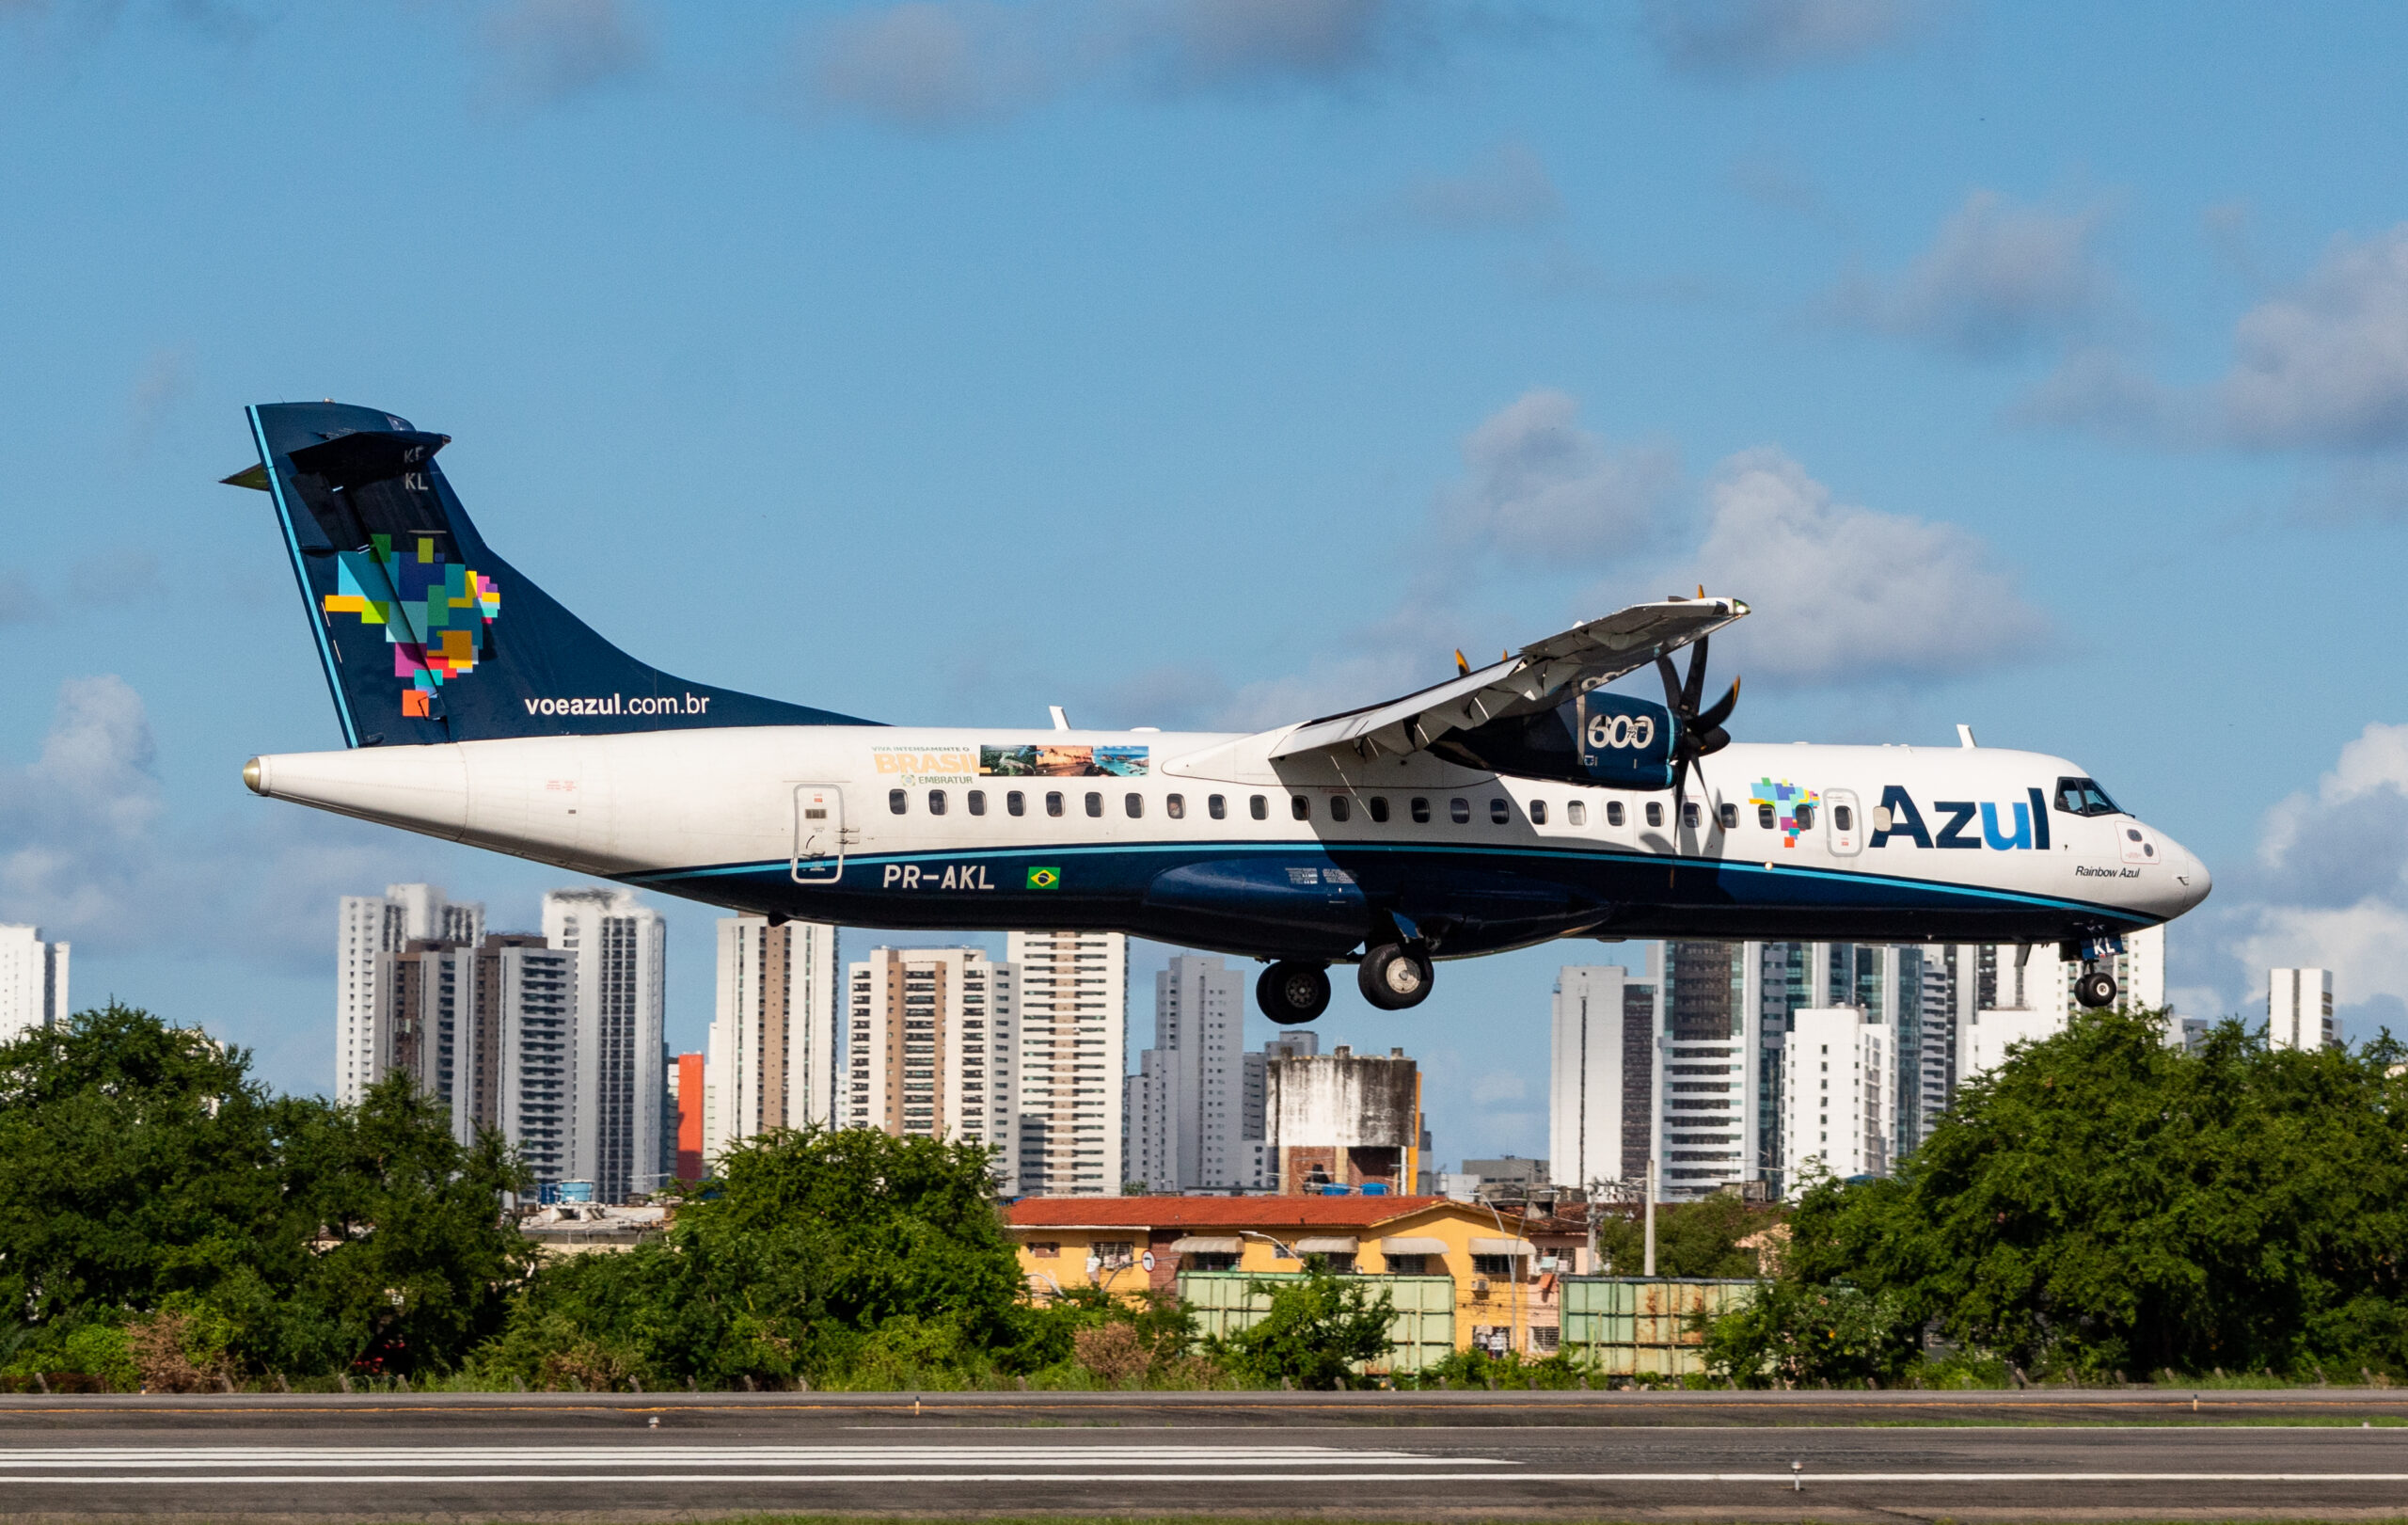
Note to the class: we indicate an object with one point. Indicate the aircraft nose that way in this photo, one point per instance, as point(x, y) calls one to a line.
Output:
point(2191, 879)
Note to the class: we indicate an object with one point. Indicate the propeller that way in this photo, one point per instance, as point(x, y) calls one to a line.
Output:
point(1695, 733)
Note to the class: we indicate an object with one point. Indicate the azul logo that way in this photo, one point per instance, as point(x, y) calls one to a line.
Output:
point(1792, 806)
point(2024, 824)
point(434, 612)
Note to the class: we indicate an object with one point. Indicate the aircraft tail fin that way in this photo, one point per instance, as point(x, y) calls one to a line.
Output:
point(426, 635)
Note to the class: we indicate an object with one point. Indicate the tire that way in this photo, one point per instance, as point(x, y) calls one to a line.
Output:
point(1394, 977)
point(2095, 990)
point(1290, 991)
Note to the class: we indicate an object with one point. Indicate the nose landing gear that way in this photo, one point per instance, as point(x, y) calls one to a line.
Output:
point(1395, 976)
point(1290, 991)
point(2095, 988)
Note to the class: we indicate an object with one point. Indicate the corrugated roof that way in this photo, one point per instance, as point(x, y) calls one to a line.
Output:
point(1216, 1212)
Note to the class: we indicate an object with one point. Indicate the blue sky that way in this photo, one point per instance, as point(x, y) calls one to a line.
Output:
point(2041, 367)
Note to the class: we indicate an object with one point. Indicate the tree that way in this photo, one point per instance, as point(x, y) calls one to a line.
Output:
point(2104, 1203)
point(148, 1177)
point(1318, 1329)
point(1692, 1239)
point(822, 1255)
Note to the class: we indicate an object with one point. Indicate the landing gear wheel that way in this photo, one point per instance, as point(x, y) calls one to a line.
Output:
point(2095, 989)
point(1289, 992)
point(1394, 977)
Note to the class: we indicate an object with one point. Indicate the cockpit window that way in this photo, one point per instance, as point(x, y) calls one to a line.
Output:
point(2083, 797)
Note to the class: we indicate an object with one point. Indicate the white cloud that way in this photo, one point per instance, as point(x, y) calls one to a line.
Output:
point(78, 818)
point(1843, 594)
point(1506, 187)
point(2330, 886)
point(1999, 278)
point(553, 49)
point(1537, 484)
point(935, 64)
point(1737, 38)
point(2325, 364)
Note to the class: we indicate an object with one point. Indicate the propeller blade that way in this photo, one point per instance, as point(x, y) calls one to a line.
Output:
point(1710, 743)
point(1694, 689)
point(1712, 718)
point(1680, 792)
point(1671, 678)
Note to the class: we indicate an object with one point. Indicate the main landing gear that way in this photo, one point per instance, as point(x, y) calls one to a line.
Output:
point(1291, 991)
point(2095, 988)
point(1392, 977)
point(1395, 976)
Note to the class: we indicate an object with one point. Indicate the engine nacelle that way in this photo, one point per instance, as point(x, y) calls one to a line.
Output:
point(1592, 739)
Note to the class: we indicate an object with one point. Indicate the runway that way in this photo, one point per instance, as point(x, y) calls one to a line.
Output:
point(1478, 1457)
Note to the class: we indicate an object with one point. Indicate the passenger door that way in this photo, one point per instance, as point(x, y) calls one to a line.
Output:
point(1843, 823)
point(818, 834)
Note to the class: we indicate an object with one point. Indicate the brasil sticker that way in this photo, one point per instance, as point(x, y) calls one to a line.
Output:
point(1045, 879)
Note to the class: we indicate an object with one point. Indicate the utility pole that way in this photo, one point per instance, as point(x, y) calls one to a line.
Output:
point(1650, 1218)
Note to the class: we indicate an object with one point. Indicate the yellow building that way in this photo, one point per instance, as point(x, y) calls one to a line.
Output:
point(1504, 1268)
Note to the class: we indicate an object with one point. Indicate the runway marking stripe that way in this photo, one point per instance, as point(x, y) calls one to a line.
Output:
point(1190, 1478)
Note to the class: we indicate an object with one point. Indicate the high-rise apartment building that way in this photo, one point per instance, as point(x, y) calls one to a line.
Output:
point(1839, 1095)
point(2299, 1008)
point(1074, 1005)
point(1601, 1097)
point(1708, 1056)
point(1194, 1108)
point(929, 1048)
point(525, 1012)
point(368, 926)
point(774, 1036)
point(622, 950)
point(33, 981)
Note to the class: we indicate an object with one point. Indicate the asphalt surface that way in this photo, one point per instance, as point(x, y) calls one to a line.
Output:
point(2125, 1454)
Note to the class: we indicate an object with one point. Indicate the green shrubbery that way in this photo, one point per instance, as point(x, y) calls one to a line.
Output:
point(2104, 1203)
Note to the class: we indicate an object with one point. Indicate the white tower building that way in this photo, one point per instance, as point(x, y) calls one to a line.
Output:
point(622, 952)
point(367, 925)
point(929, 1048)
point(774, 1037)
point(33, 982)
point(1074, 1009)
point(1601, 1096)
point(1839, 1091)
point(1187, 1106)
point(2299, 1008)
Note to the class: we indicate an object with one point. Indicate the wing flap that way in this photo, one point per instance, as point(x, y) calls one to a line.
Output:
point(1538, 677)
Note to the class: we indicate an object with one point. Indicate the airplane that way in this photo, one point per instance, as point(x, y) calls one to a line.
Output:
point(1508, 805)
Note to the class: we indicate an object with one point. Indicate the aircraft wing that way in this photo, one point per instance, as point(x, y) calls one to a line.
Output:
point(1539, 677)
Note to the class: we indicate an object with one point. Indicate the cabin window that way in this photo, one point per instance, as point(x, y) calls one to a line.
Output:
point(1613, 812)
point(1095, 803)
point(1459, 811)
point(1729, 815)
point(1135, 804)
point(1300, 807)
point(1655, 813)
point(1576, 813)
point(977, 802)
point(1689, 817)
point(1217, 808)
point(1016, 802)
point(1538, 812)
point(1763, 818)
point(1175, 806)
point(1803, 814)
point(897, 801)
point(1379, 806)
point(1843, 818)
point(1052, 804)
point(936, 802)
point(1500, 812)
point(1338, 808)
point(1259, 807)
point(1420, 811)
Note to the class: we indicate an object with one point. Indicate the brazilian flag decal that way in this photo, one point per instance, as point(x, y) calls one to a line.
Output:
point(1045, 879)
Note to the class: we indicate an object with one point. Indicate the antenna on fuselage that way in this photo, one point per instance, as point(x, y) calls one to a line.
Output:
point(1061, 722)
